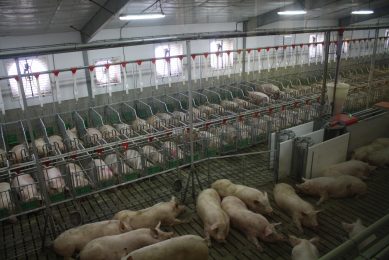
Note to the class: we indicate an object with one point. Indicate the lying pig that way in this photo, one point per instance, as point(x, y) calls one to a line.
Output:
point(258, 97)
point(353, 167)
point(362, 152)
point(77, 175)
point(302, 213)
point(75, 239)
point(108, 132)
point(216, 221)
point(268, 88)
point(57, 142)
point(174, 151)
point(134, 159)
point(114, 247)
point(196, 113)
point(164, 116)
point(93, 135)
point(5, 196)
point(180, 116)
point(379, 158)
point(123, 128)
point(206, 110)
point(53, 179)
point(333, 187)
point(253, 225)
point(155, 121)
point(229, 105)
point(113, 163)
point(255, 200)
point(102, 170)
point(304, 249)
point(212, 139)
point(152, 154)
point(218, 109)
point(382, 141)
point(19, 153)
point(242, 103)
point(74, 141)
point(26, 187)
point(188, 247)
point(3, 158)
point(353, 229)
point(164, 212)
point(140, 124)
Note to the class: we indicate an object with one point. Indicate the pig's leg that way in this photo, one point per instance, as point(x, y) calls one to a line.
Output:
point(207, 236)
point(177, 221)
point(296, 220)
point(256, 242)
point(324, 197)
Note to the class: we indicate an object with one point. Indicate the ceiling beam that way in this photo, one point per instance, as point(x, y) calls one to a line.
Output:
point(101, 18)
point(352, 19)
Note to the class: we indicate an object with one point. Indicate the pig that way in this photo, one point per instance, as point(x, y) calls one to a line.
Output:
point(382, 141)
point(134, 159)
point(140, 124)
point(108, 132)
point(230, 134)
point(354, 168)
point(26, 188)
point(302, 212)
point(3, 158)
point(353, 229)
point(215, 219)
point(41, 147)
point(258, 97)
point(268, 88)
point(196, 113)
point(152, 154)
point(164, 212)
point(379, 158)
point(174, 151)
point(114, 247)
point(77, 175)
point(57, 142)
point(164, 116)
point(74, 141)
point(54, 181)
point(362, 152)
point(180, 116)
point(102, 170)
point(123, 128)
point(333, 187)
point(255, 200)
point(156, 122)
point(217, 108)
point(19, 153)
point(253, 225)
point(188, 247)
point(206, 110)
point(113, 163)
point(75, 239)
point(5, 196)
point(229, 105)
point(93, 135)
point(304, 249)
point(211, 140)
point(242, 103)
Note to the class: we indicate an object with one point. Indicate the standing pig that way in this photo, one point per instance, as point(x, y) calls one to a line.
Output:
point(353, 229)
point(255, 200)
point(77, 175)
point(75, 239)
point(134, 159)
point(140, 124)
point(353, 167)
point(242, 103)
point(108, 132)
point(74, 141)
point(152, 154)
point(41, 147)
point(114, 247)
point(26, 187)
point(188, 247)
point(93, 135)
point(123, 129)
point(206, 110)
point(164, 116)
point(304, 249)
point(156, 122)
point(54, 181)
point(216, 221)
point(302, 213)
point(333, 187)
point(229, 105)
point(5, 196)
point(258, 97)
point(102, 170)
point(173, 149)
point(217, 108)
point(180, 116)
point(164, 212)
point(113, 163)
point(19, 153)
point(253, 225)
point(56, 142)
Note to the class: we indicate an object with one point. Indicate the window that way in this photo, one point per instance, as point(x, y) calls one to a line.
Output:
point(224, 60)
point(316, 50)
point(387, 39)
point(101, 72)
point(30, 65)
point(165, 51)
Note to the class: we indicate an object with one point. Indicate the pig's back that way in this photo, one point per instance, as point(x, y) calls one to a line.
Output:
point(208, 205)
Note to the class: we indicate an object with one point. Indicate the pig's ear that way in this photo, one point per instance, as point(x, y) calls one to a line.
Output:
point(276, 224)
point(304, 180)
point(294, 241)
point(318, 211)
point(315, 241)
point(173, 199)
point(266, 195)
point(154, 233)
point(122, 226)
point(268, 231)
point(214, 227)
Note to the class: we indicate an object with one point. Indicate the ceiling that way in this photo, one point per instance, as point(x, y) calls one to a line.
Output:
point(27, 17)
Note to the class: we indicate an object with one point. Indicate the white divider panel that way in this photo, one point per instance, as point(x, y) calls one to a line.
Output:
point(317, 136)
point(321, 155)
point(286, 148)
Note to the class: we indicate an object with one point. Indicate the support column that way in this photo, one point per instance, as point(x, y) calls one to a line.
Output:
point(244, 46)
point(85, 59)
point(327, 38)
point(372, 66)
point(190, 101)
point(338, 55)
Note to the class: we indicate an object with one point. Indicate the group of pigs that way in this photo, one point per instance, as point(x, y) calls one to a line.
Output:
point(133, 235)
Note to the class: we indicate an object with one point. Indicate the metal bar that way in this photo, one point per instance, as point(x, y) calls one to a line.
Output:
point(71, 47)
point(189, 68)
point(372, 65)
point(338, 54)
point(327, 38)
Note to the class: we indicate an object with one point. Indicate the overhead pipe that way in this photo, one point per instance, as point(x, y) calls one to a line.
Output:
point(327, 41)
point(338, 56)
point(73, 47)
point(372, 65)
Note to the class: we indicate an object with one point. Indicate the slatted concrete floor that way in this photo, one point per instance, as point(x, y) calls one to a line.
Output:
point(22, 240)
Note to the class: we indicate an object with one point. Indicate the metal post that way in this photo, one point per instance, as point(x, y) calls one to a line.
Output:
point(88, 79)
point(244, 45)
point(39, 174)
point(338, 54)
point(372, 65)
point(327, 38)
point(189, 64)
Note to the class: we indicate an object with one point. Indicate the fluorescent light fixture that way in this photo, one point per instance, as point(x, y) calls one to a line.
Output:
point(362, 12)
point(141, 16)
point(292, 12)
point(288, 36)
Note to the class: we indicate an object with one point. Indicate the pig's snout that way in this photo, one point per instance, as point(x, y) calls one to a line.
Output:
point(269, 210)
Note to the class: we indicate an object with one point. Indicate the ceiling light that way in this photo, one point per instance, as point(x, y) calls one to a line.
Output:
point(288, 36)
point(362, 12)
point(292, 12)
point(141, 16)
